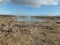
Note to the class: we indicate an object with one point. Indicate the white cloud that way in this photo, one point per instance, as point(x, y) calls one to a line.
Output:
point(35, 3)
point(1, 1)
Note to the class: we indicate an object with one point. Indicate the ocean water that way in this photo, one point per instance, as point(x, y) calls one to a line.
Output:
point(29, 19)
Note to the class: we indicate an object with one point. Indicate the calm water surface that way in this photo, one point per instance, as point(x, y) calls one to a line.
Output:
point(29, 19)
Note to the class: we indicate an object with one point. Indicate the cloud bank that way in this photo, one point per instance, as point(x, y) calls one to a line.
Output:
point(35, 3)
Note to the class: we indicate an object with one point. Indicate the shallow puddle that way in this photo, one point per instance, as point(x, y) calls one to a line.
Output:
point(29, 19)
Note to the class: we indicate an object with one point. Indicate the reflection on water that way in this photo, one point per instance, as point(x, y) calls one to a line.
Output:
point(29, 19)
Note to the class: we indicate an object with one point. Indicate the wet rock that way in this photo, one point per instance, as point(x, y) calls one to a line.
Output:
point(9, 30)
point(3, 25)
point(47, 27)
point(58, 22)
point(19, 25)
point(6, 44)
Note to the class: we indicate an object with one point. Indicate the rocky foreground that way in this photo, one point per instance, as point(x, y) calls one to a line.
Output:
point(13, 32)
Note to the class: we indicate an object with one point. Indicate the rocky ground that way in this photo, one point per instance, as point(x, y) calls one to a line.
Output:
point(13, 32)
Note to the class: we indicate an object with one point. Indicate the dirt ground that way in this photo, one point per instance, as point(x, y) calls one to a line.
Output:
point(13, 32)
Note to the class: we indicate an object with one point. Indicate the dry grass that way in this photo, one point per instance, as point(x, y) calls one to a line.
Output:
point(29, 33)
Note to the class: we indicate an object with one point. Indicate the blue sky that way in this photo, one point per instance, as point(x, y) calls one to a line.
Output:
point(23, 10)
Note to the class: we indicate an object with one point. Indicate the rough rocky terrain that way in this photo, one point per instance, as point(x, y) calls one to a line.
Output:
point(13, 32)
